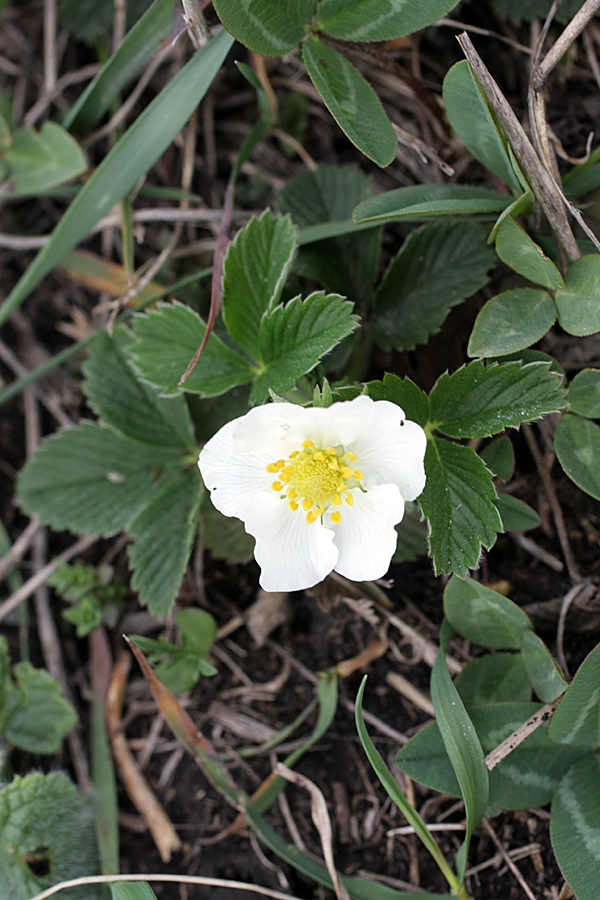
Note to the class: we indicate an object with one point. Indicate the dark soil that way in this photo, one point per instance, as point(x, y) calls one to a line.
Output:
point(321, 629)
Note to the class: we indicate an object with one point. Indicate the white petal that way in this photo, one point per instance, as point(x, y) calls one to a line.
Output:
point(366, 537)
point(232, 475)
point(291, 553)
point(390, 449)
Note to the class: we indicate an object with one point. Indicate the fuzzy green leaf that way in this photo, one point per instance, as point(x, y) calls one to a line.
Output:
point(524, 779)
point(378, 20)
point(255, 270)
point(165, 530)
point(411, 399)
point(45, 826)
point(523, 255)
point(470, 116)
point(516, 515)
point(266, 27)
point(38, 162)
point(92, 479)
point(584, 393)
point(577, 445)
point(124, 402)
point(351, 101)
point(494, 678)
point(577, 719)
point(542, 669)
point(458, 501)
point(439, 266)
point(499, 457)
point(577, 302)
point(294, 337)
point(511, 321)
point(345, 264)
point(423, 201)
point(165, 341)
point(476, 402)
point(484, 616)
point(575, 827)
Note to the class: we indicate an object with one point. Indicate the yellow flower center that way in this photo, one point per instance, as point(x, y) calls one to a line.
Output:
point(315, 478)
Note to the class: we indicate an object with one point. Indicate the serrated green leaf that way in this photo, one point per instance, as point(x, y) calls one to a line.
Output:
point(92, 479)
point(124, 402)
point(484, 616)
point(528, 356)
point(133, 154)
point(411, 399)
point(346, 264)
point(457, 500)
point(439, 266)
point(575, 827)
point(476, 402)
point(294, 337)
point(524, 256)
point(422, 201)
point(365, 20)
point(45, 824)
point(165, 530)
point(266, 27)
point(132, 53)
point(254, 272)
point(493, 678)
point(165, 341)
point(526, 778)
point(351, 101)
point(577, 719)
point(577, 302)
point(499, 457)
point(36, 717)
point(462, 746)
point(40, 161)
point(516, 515)
point(542, 669)
point(470, 116)
point(584, 393)
point(577, 446)
point(511, 321)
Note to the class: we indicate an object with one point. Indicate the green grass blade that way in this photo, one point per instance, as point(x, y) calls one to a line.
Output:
point(393, 790)
point(133, 155)
point(462, 745)
point(137, 47)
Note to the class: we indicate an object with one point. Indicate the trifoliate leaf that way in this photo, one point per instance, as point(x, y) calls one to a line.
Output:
point(255, 270)
point(476, 402)
point(411, 399)
point(294, 338)
point(131, 407)
point(438, 266)
point(46, 836)
point(166, 340)
point(378, 20)
point(484, 616)
point(458, 502)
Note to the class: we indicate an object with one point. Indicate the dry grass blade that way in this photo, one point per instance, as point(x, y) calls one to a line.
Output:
point(320, 817)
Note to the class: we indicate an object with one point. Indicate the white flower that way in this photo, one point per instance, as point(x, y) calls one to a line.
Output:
point(320, 489)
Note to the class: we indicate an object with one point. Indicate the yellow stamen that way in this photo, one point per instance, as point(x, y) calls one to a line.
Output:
point(308, 444)
point(272, 467)
point(277, 486)
point(292, 493)
point(307, 504)
point(358, 474)
point(336, 499)
point(350, 455)
point(336, 517)
point(346, 472)
point(349, 499)
point(310, 517)
point(293, 505)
